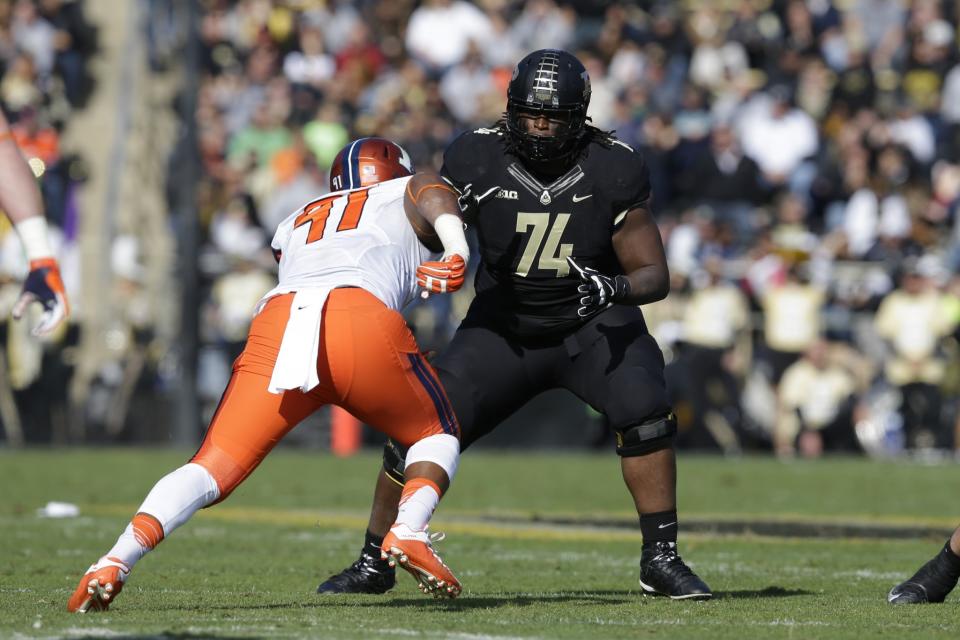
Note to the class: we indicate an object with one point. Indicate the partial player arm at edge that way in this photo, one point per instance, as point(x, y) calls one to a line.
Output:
point(19, 196)
point(639, 248)
point(21, 200)
point(431, 202)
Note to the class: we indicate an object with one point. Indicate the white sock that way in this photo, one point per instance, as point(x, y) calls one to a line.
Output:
point(441, 449)
point(171, 502)
point(179, 495)
point(128, 549)
point(417, 505)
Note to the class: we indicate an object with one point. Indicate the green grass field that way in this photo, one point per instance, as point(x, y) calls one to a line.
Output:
point(249, 567)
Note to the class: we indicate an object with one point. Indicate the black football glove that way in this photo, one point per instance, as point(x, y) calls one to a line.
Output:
point(470, 202)
point(598, 291)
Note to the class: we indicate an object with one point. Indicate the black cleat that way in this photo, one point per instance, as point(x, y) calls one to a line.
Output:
point(663, 572)
point(909, 592)
point(931, 583)
point(368, 574)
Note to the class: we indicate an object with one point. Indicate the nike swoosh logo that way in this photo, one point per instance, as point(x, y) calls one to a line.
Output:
point(577, 198)
point(669, 524)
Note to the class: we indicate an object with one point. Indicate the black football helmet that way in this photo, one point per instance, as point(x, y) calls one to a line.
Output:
point(554, 83)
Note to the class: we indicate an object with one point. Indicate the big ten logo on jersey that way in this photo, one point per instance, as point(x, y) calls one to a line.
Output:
point(507, 194)
point(316, 213)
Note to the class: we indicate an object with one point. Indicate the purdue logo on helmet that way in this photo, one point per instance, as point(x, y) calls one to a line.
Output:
point(368, 161)
point(553, 83)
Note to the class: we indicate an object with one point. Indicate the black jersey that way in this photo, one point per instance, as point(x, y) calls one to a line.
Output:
point(528, 228)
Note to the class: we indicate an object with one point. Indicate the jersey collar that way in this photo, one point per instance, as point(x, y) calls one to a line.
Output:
point(545, 192)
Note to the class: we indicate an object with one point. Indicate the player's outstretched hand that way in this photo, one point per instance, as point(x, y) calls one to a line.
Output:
point(598, 291)
point(44, 285)
point(442, 276)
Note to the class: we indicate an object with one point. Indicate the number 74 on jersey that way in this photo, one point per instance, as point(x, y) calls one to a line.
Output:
point(553, 255)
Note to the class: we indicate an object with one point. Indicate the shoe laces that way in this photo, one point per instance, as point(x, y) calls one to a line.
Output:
point(108, 562)
point(367, 563)
point(667, 555)
point(665, 552)
point(432, 537)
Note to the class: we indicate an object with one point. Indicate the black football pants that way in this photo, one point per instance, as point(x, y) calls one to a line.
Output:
point(611, 362)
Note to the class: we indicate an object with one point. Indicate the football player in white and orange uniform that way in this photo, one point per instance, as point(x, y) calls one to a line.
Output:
point(331, 332)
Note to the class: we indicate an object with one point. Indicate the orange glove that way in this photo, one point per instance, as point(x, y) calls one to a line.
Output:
point(44, 285)
point(442, 276)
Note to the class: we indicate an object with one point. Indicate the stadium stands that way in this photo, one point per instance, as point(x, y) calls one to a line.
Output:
point(805, 153)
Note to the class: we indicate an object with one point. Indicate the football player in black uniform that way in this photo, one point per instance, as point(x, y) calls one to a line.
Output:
point(934, 580)
point(569, 249)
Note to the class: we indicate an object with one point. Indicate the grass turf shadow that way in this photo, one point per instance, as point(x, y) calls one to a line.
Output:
point(158, 636)
point(468, 602)
point(464, 602)
point(766, 592)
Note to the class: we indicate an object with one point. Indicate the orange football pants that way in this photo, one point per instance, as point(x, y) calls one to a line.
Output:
point(368, 363)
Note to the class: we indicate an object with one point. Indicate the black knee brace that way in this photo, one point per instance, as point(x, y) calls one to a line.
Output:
point(394, 461)
point(646, 437)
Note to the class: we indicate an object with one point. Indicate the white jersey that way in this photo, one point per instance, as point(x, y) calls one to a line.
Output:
point(357, 237)
point(352, 238)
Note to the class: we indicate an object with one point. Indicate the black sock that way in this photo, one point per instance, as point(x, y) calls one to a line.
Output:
point(659, 527)
point(371, 544)
point(949, 560)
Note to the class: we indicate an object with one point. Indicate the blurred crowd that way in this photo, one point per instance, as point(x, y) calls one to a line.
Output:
point(805, 159)
point(45, 46)
point(804, 154)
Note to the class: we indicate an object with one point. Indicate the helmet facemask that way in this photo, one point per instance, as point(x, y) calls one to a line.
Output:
point(545, 148)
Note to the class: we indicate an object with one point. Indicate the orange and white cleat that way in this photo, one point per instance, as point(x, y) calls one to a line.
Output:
point(413, 551)
point(99, 586)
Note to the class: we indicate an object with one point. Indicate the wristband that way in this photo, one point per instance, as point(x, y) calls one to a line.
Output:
point(449, 228)
point(33, 235)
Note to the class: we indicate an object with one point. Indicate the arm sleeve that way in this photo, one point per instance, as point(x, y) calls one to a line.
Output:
point(457, 164)
point(632, 184)
point(465, 164)
point(282, 236)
